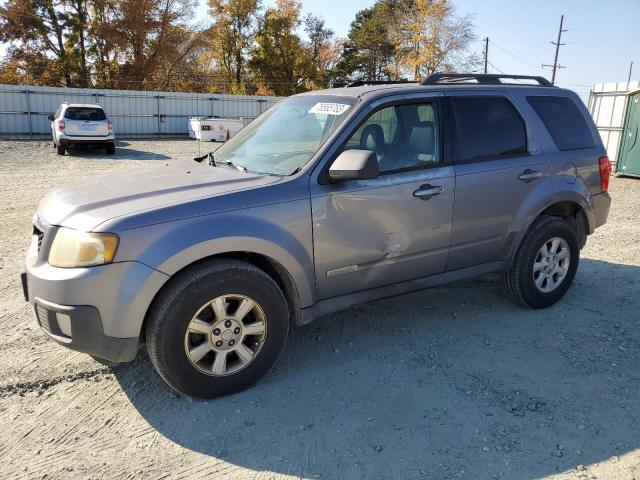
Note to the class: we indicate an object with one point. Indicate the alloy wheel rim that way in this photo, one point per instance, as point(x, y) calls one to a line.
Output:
point(551, 264)
point(225, 335)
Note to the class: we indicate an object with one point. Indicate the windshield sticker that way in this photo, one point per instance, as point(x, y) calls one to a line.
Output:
point(330, 108)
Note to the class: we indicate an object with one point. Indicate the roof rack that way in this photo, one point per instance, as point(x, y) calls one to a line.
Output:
point(360, 83)
point(482, 78)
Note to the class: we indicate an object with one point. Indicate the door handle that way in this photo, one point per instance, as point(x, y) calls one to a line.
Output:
point(529, 175)
point(425, 192)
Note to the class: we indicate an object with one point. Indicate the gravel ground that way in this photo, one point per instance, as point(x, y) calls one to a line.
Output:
point(452, 382)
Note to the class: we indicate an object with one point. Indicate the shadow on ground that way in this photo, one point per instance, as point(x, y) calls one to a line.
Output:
point(123, 152)
point(452, 382)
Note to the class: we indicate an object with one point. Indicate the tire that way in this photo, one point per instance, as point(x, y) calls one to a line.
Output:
point(111, 148)
point(520, 280)
point(60, 149)
point(190, 294)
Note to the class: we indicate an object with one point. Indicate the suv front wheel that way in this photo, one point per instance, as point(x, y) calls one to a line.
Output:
point(217, 328)
point(545, 264)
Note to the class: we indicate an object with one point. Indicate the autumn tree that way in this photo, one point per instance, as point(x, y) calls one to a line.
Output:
point(406, 39)
point(150, 37)
point(323, 50)
point(429, 37)
point(230, 38)
point(106, 43)
point(279, 61)
point(38, 39)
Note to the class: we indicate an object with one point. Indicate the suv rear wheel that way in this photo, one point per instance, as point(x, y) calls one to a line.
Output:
point(545, 264)
point(111, 148)
point(217, 329)
point(60, 149)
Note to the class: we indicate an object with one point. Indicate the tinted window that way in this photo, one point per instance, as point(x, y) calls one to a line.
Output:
point(403, 137)
point(83, 113)
point(564, 122)
point(487, 127)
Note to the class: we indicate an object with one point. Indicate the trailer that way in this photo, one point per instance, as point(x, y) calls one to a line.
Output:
point(209, 129)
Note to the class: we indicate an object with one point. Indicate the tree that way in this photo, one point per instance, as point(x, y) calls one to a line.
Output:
point(36, 31)
point(368, 51)
point(428, 37)
point(280, 63)
point(231, 34)
point(406, 39)
point(323, 50)
point(148, 37)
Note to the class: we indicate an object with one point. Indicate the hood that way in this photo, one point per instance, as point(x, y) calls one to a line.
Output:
point(85, 204)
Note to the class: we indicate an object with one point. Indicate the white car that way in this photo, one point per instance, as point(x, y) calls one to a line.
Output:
point(81, 124)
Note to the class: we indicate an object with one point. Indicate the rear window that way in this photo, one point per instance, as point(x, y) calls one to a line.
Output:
point(82, 113)
point(563, 120)
point(487, 127)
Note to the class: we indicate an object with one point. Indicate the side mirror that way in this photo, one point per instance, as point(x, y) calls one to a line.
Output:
point(354, 165)
point(50, 117)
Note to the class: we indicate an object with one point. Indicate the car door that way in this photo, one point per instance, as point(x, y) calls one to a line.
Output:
point(371, 233)
point(500, 172)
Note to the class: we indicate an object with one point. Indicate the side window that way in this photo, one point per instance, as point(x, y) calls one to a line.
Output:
point(403, 137)
point(563, 120)
point(386, 119)
point(487, 127)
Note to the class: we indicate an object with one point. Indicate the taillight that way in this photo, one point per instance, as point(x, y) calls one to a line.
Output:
point(60, 124)
point(605, 172)
point(110, 125)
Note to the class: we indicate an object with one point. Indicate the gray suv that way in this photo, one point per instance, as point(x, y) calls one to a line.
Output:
point(329, 199)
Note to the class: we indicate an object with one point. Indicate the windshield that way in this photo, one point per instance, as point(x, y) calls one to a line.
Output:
point(287, 135)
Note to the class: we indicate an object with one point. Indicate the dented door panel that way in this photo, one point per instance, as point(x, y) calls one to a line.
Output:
point(373, 233)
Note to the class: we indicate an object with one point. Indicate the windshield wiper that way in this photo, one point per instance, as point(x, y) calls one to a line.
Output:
point(211, 162)
point(242, 168)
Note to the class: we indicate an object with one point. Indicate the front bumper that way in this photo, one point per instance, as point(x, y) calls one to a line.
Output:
point(80, 328)
point(104, 305)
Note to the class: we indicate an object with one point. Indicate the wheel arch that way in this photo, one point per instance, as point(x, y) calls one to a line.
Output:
point(571, 209)
point(269, 265)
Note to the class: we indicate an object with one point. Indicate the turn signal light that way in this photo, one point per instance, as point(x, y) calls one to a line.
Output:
point(110, 125)
point(605, 172)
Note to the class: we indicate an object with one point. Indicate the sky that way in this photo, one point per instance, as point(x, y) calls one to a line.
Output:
point(602, 37)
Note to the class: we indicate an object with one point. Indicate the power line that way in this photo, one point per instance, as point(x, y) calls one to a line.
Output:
point(514, 55)
point(555, 65)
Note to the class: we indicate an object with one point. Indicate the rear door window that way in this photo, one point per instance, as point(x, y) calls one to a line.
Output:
point(85, 113)
point(563, 120)
point(487, 128)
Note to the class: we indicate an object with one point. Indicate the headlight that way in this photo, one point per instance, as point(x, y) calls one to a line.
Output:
point(72, 248)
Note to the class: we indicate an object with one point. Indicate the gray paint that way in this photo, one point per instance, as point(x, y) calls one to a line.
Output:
point(341, 243)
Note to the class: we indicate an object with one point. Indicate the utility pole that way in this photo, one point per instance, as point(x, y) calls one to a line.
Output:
point(486, 53)
point(555, 65)
point(630, 70)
